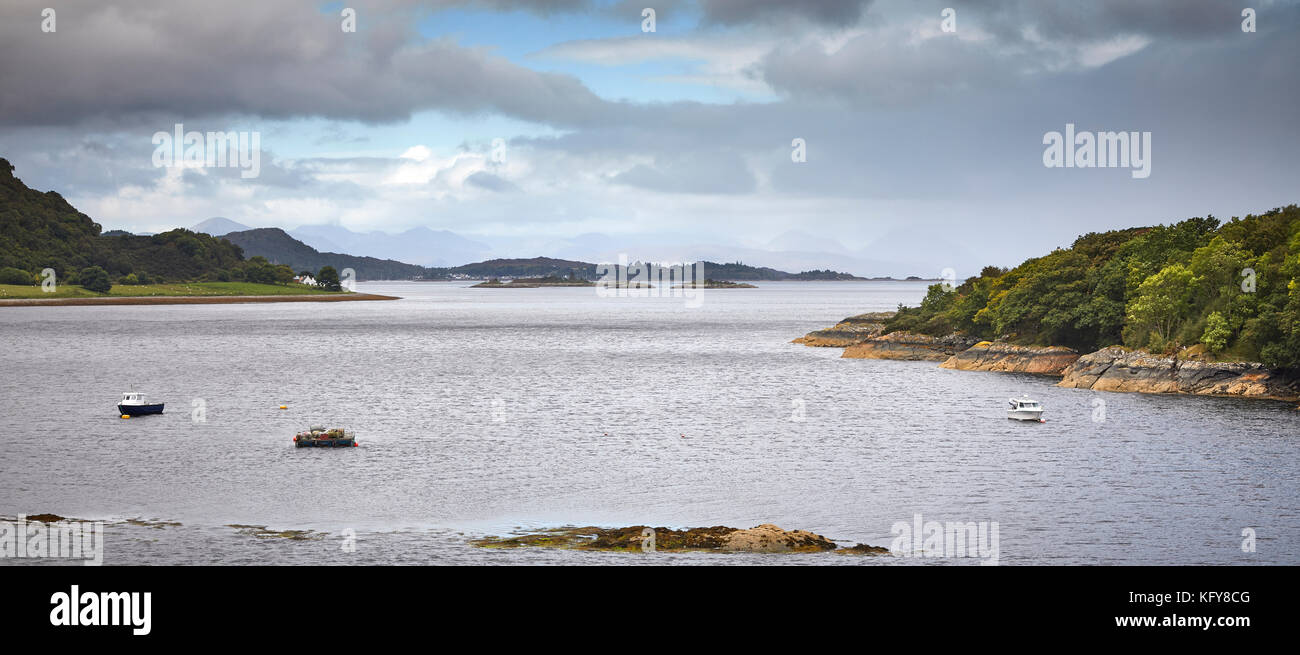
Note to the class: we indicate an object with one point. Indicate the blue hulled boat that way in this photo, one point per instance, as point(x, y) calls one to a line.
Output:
point(133, 404)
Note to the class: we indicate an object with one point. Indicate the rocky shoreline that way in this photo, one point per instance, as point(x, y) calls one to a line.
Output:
point(910, 347)
point(847, 332)
point(1118, 369)
point(1010, 358)
point(188, 300)
point(1108, 369)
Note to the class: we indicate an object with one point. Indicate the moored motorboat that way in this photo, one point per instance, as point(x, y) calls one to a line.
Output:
point(1025, 409)
point(134, 404)
point(317, 436)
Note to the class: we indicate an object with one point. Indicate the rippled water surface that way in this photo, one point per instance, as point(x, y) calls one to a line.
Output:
point(486, 411)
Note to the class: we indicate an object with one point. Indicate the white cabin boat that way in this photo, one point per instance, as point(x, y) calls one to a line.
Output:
point(134, 404)
point(1025, 409)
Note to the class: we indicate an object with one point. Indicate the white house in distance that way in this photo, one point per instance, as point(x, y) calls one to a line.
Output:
point(305, 279)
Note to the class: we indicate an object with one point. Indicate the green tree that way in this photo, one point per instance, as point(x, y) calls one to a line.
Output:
point(1216, 333)
point(328, 279)
point(11, 275)
point(1217, 268)
point(283, 274)
point(94, 278)
point(1162, 301)
point(260, 271)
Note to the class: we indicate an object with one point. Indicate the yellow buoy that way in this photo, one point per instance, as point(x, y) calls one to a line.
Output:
point(284, 407)
point(126, 416)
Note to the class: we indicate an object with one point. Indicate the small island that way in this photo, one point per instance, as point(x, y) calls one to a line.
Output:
point(534, 282)
point(765, 538)
point(715, 284)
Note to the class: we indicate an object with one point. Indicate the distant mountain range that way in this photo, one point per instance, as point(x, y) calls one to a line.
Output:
point(420, 246)
point(278, 247)
point(897, 252)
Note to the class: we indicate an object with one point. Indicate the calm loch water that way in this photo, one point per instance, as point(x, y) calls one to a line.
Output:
point(485, 411)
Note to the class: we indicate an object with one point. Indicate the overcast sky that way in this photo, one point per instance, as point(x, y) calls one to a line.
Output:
point(680, 135)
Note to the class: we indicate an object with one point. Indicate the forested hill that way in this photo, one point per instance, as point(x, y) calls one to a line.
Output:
point(41, 230)
point(1231, 288)
point(532, 267)
point(279, 248)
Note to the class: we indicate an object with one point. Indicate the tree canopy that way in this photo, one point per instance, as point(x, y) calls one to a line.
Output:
point(1234, 287)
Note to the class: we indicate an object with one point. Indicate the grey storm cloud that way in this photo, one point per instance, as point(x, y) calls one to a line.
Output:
point(824, 12)
point(491, 182)
point(887, 67)
point(1100, 19)
point(719, 172)
point(889, 72)
point(129, 59)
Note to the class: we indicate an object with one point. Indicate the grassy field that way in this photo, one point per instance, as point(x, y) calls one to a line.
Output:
point(179, 289)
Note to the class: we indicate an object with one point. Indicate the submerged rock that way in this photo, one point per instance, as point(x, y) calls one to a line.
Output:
point(262, 532)
point(1117, 369)
point(854, 329)
point(47, 518)
point(864, 549)
point(1009, 358)
point(766, 538)
point(909, 346)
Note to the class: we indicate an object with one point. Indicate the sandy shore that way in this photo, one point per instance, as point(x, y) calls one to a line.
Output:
point(185, 300)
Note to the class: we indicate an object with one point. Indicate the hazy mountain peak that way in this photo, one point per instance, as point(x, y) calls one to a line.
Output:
point(219, 225)
point(800, 241)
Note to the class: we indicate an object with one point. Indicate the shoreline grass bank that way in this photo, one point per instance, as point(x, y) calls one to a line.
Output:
point(184, 300)
point(174, 294)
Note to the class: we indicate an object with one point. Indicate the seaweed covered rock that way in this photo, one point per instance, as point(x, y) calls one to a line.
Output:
point(864, 549)
point(765, 538)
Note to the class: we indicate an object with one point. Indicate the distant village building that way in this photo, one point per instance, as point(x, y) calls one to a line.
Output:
point(305, 279)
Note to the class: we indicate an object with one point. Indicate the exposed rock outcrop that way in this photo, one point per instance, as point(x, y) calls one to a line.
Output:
point(854, 329)
point(1010, 358)
point(908, 346)
point(766, 538)
point(1117, 369)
